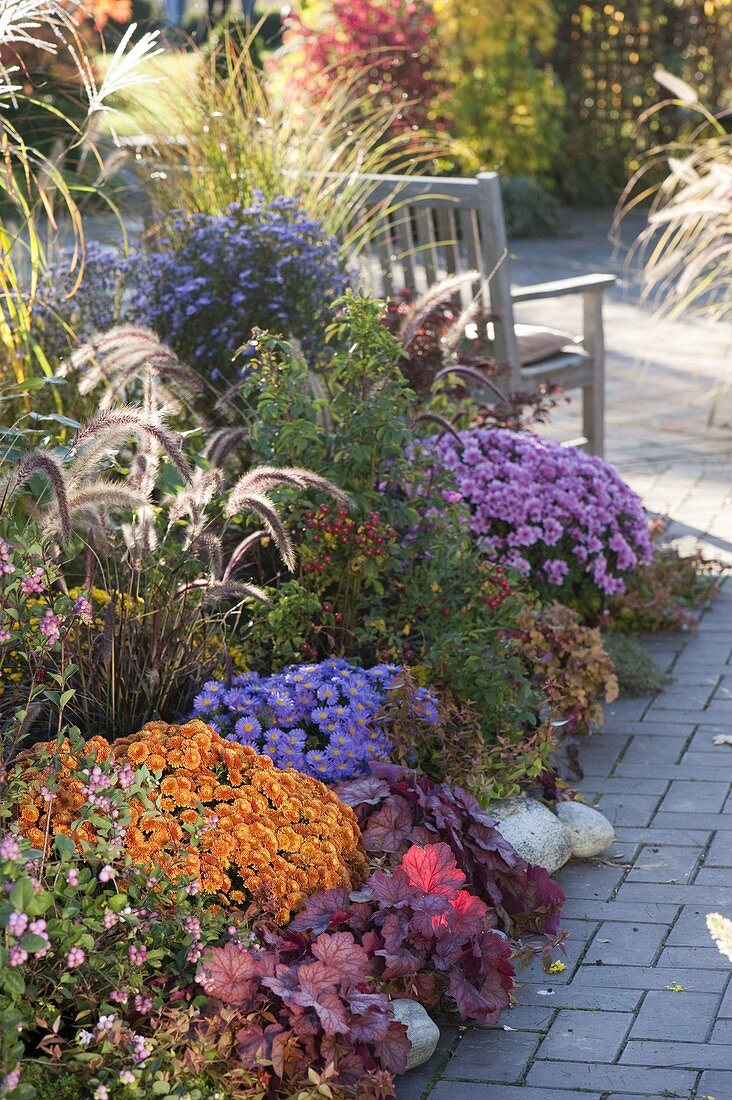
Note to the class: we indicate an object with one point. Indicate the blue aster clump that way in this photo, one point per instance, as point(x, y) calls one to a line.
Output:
point(208, 280)
point(69, 310)
point(325, 720)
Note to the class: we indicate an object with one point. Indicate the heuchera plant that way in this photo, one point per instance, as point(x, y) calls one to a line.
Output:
point(397, 808)
point(309, 1004)
point(427, 934)
point(318, 996)
point(557, 513)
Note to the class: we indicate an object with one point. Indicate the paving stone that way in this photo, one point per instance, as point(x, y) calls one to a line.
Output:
point(587, 879)
point(644, 785)
point(621, 944)
point(688, 797)
point(628, 809)
point(715, 1083)
point(528, 1017)
point(711, 822)
point(651, 1052)
point(713, 876)
point(652, 751)
point(649, 977)
point(412, 1085)
point(722, 1033)
point(690, 929)
point(469, 1091)
point(725, 1009)
point(681, 1017)
point(720, 851)
point(669, 727)
point(647, 913)
point(688, 838)
point(492, 1055)
point(720, 897)
point(597, 1036)
point(583, 1075)
point(702, 958)
point(631, 710)
point(577, 996)
point(657, 863)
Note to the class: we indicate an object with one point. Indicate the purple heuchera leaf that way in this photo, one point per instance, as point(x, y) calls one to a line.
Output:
point(322, 911)
point(389, 828)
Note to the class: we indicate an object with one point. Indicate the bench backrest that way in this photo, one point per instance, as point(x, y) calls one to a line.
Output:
point(430, 227)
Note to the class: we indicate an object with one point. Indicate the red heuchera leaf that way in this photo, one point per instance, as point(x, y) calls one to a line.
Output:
point(401, 963)
point(394, 930)
point(371, 1016)
point(231, 974)
point(431, 914)
point(470, 914)
point(344, 959)
point(315, 992)
point(433, 869)
point(394, 1048)
point(389, 827)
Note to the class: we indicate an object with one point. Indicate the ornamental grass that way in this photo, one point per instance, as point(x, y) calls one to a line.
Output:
point(218, 813)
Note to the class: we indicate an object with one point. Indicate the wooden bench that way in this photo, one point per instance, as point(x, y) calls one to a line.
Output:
point(431, 227)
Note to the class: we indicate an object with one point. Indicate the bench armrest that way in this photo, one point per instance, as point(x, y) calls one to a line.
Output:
point(581, 284)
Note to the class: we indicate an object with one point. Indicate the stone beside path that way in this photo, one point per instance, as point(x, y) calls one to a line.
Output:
point(614, 1025)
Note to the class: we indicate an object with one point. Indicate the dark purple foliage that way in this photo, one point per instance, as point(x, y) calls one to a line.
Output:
point(397, 807)
point(426, 935)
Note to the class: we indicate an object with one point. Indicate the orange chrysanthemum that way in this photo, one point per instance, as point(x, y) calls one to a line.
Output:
point(271, 837)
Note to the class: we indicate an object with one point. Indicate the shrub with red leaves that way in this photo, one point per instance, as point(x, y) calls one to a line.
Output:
point(425, 934)
point(317, 996)
point(397, 807)
point(393, 42)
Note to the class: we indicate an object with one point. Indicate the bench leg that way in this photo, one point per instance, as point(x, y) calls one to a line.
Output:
point(593, 397)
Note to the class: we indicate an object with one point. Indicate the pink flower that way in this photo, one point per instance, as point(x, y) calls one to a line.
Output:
point(33, 583)
point(9, 848)
point(83, 609)
point(143, 1004)
point(5, 635)
point(137, 953)
point(106, 874)
point(17, 956)
point(50, 627)
point(17, 924)
point(76, 957)
point(72, 877)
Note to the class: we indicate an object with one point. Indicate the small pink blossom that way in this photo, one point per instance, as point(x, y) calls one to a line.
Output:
point(76, 957)
point(137, 953)
point(9, 848)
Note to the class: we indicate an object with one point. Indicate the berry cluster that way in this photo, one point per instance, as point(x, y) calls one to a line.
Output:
point(333, 530)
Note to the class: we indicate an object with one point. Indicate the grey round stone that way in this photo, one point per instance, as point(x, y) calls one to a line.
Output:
point(422, 1031)
point(590, 830)
point(534, 831)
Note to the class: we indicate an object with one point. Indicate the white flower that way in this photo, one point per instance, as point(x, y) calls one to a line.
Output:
point(83, 1038)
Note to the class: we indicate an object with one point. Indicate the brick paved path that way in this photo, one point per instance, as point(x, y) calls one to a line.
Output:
point(609, 1028)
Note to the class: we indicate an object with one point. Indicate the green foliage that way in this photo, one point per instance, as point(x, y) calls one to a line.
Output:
point(637, 673)
point(529, 210)
point(504, 103)
point(421, 595)
point(98, 958)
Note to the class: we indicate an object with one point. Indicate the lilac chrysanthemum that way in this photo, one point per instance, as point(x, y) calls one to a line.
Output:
point(323, 719)
point(550, 512)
